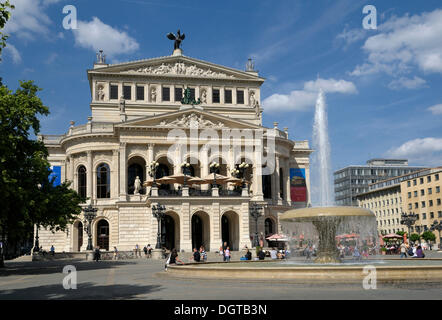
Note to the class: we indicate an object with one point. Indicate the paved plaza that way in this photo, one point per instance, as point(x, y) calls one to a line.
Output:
point(145, 279)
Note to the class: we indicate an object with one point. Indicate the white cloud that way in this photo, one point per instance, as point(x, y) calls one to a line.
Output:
point(403, 44)
point(14, 53)
point(304, 99)
point(427, 151)
point(352, 36)
point(331, 86)
point(97, 35)
point(436, 109)
point(29, 19)
point(407, 83)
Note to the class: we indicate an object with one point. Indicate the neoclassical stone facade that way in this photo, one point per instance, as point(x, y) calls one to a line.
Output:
point(137, 118)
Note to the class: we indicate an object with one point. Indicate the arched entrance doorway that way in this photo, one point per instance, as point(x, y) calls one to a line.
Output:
point(201, 230)
point(170, 231)
point(230, 229)
point(103, 234)
point(269, 227)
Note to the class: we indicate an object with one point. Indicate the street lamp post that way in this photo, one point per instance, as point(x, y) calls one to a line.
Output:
point(214, 167)
point(153, 172)
point(37, 244)
point(255, 212)
point(89, 215)
point(158, 212)
point(408, 220)
point(437, 226)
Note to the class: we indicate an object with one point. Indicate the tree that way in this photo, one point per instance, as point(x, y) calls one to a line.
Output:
point(428, 236)
point(27, 196)
point(414, 237)
point(401, 233)
point(4, 17)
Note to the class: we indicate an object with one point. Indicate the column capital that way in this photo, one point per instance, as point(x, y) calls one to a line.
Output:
point(150, 146)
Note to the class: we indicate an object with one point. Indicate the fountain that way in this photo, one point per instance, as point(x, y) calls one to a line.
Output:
point(326, 218)
point(321, 224)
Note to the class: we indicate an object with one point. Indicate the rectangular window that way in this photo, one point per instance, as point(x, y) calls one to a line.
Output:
point(227, 96)
point(430, 203)
point(429, 179)
point(438, 202)
point(166, 93)
point(431, 215)
point(239, 96)
point(114, 92)
point(421, 180)
point(422, 192)
point(178, 94)
point(192, 93)
point(439, 214)
point(422, 204)
point(430, 191)
point(415, 193)
point(140, 93)
point(414, 182)
point(215, 96)
point(436, 177)
point(437, 189)
point(416, 205)
point(424, 216)
point(127, 92)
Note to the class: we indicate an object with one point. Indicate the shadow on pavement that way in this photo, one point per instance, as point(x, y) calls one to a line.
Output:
point(84, 291)
point(48, 267)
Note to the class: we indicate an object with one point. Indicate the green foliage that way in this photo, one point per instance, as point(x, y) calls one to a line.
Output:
point(428, 236)
point(414, 237)
point(401, 233)
point(26, 195)
point(5, 15)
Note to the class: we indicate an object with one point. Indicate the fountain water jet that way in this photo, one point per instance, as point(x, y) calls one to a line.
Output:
point(326, 218)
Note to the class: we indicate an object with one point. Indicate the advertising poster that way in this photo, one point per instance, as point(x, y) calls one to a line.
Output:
point(298, 187)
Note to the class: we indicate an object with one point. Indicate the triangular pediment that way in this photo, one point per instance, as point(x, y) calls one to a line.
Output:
point(177, 66)
point(186, 119)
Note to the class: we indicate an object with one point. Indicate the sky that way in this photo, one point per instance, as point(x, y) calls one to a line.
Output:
point(382, 83)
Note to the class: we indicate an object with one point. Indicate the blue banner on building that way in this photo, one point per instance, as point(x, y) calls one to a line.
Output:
point(298, 187)
point(55, 172)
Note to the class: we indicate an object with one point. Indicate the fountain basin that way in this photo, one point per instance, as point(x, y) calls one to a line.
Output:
point(327, 221)
point(414, 271)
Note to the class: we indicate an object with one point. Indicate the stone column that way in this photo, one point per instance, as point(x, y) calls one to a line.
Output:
point(123, 172)
point(185, 234)
point(287, 180)
point(215, 224)
point(114, 174)
point(204, 166)
point(277, 180)
point(244, 227)
point(89, 176)
point(258, 195)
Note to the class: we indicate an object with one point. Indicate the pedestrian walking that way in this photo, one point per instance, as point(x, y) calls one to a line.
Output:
point(403, 250)
point(227, 254)
point(115, 253)
point(97, 254)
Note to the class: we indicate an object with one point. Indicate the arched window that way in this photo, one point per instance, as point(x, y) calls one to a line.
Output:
point(134, 170)
point(82, 184)
point(103, 181)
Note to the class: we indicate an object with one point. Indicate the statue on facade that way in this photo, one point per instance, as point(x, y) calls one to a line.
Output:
point(100, 93)
point(137, 185)
point(177, 38)
point(203, 96)
point(252, 100)
point(153, 95)
point(122, 104)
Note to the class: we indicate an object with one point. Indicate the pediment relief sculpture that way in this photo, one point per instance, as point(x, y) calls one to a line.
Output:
point(192, 121)
point(181, 68)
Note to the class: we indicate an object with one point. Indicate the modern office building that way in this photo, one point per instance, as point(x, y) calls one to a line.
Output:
point(353, 180)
